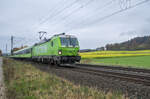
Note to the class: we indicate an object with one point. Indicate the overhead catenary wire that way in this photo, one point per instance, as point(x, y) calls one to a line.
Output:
point(82, 22)
point(74, 11)
point(85, 18)
point(52, 13)
point(20, 41)
point(112, 14)
point(66, 9)
point(90, 16)
point(77, 9)
point(103, 18)
point(57, 13)
point(53, 10)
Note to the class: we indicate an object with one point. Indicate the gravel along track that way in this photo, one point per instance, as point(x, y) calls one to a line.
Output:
point(101, 81)
point(134, 76)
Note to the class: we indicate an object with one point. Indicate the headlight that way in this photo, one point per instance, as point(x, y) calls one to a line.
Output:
point(59, 52)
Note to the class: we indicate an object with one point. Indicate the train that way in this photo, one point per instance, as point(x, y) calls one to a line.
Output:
point(59, 49)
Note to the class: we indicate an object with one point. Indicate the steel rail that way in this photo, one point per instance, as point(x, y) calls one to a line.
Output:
point(138, 79)
point(116, 68)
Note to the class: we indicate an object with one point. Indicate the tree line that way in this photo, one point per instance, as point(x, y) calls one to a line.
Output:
point(138, 43)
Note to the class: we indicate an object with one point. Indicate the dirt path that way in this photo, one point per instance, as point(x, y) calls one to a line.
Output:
point(2, 94)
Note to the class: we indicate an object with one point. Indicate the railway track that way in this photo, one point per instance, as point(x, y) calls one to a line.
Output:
point(138, 76)
point(118, 68)
point(104, 79)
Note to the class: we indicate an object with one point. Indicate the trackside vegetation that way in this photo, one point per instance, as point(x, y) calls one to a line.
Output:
point(24, 81)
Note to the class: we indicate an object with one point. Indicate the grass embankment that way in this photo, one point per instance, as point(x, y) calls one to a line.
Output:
point(24, 81)
point(137, 61)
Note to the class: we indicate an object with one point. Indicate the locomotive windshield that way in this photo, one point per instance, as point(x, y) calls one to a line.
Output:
point(69, 42)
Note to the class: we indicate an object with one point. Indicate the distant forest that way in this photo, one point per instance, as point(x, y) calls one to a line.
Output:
point(138, 43)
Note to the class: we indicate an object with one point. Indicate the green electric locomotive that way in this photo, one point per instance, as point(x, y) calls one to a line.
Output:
point(59, 49)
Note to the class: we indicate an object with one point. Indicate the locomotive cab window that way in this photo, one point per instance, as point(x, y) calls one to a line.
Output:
point(69, 42)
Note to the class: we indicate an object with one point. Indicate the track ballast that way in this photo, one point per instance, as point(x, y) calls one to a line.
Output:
point(138, 76)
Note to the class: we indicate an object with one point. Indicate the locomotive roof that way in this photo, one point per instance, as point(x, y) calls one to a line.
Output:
point(63, 35)
point(72, 36)
point(59, 35)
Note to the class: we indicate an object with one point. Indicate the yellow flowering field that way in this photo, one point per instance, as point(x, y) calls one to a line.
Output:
point(102, 54)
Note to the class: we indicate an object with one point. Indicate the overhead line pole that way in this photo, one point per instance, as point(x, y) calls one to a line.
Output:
point(6, 48)
point(11, 45)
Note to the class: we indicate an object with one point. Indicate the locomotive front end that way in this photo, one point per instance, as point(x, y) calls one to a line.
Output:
point(69, 50)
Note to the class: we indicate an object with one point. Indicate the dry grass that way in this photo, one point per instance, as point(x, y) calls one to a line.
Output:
point(24, 81)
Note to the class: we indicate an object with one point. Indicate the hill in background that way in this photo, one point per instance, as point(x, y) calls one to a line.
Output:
point(138, 43)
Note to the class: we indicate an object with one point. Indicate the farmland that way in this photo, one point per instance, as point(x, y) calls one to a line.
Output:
point(138, 59)
point(106, 54)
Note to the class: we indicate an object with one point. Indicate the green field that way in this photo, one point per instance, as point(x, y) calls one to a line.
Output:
point(132, 61)
point(24, 81)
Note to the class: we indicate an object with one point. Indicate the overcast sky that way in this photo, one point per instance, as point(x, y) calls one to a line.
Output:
point(86, 19)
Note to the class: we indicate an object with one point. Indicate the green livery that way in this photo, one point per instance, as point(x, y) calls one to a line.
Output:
point(59, 49)
point(23, 53)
